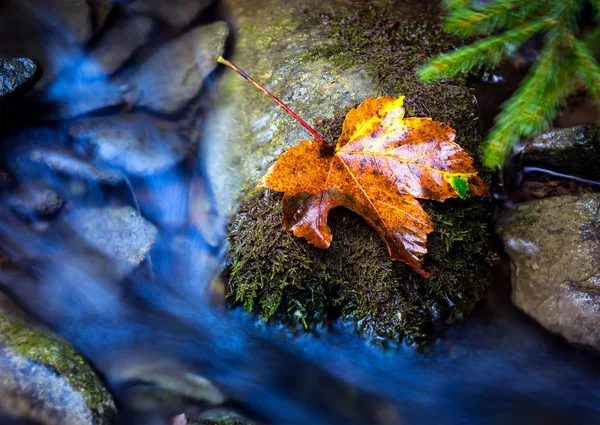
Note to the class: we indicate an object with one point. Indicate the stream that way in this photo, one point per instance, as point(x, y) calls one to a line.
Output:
point(127, 267)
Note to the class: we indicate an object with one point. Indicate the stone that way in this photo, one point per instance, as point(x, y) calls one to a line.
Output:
point(44, 380)
point(119, 232)
point(574, 150)
point(36, 198)
point(554, 246)
point(52, 33)
point(117, 45)
point(65, 162)
point(16, 75)
point(72, 95)
point(321, 59)
point(137, 144)
point(220, 417)
point(176, 72)
point(176, 13)
point(71, 17)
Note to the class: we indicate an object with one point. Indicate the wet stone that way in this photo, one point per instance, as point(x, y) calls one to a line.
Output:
point(116, 45)
point(119, 232)
point(53, 33)
point(176, 13)
point(573, 150)
point(73, 95)
point(137, 144)
point(70, 16)
point(176, 73)
point(554, 245)
point(65, 162)
point(168, 386)
point(36, 198)
point(44, 380)
point(16, 74)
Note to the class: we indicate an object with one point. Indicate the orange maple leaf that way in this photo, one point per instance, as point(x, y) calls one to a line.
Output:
point(382, 162)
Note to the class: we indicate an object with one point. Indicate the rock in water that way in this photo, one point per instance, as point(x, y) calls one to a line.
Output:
point(71, 96)
point(36, 198)
point(72, 17)
point(573, 150)
point(117, 45)
point(176, 13)
point(119, 232)
point(175, 74)
point(53, 33)
point(43, 379)
point(16, 74)
point(136, 144)
point(65, 162)
point(321, 63)
point(554, 245)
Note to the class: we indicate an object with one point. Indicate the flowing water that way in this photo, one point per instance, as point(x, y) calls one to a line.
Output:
point(495, 367)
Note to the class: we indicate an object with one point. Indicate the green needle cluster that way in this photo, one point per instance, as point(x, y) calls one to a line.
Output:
point(565, 63)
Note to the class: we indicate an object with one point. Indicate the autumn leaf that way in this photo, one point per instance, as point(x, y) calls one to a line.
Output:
point(382, 162)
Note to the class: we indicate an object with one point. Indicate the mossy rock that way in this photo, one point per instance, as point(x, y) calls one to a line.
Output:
point(43, 378)
point(276, 275)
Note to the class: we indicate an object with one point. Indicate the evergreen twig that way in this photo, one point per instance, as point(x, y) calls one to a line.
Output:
point(564, 64)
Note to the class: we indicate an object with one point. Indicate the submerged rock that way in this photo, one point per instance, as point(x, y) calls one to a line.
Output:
point(72, 17)
point(53, 33)
point(16, 75)
point(554, 245)
point(321, 60)
point(119, 232)
point(176, 73)
point(176, 13)
point(117, 45)
point(72, 95)
point(137, 144)
point(36, 198)
point(43, 379)
point(574, 150)
point(65, 162)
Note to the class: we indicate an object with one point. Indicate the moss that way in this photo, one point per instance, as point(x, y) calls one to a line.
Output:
point(61, 358)
point(223, 419)
point(391, 44)
point(276, 275)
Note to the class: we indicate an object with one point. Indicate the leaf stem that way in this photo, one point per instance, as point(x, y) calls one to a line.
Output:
point(265, 91)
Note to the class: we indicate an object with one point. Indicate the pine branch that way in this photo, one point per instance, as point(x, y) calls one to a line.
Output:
point(531, 109)
point(489, 51)
point(587, 68)
point(500, 14)
point(455, 4)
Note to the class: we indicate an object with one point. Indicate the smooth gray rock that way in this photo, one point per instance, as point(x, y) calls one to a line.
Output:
point(573, 150)
point(137, 144)
point(176, 13)
point(65, 162)
point(43, 379)
point(176, 73)
point(119, 232)
point(73, 95)
point(36, 198)
point(116, 45)
point(554, 245)
point(68, 16)
point(16, 74)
